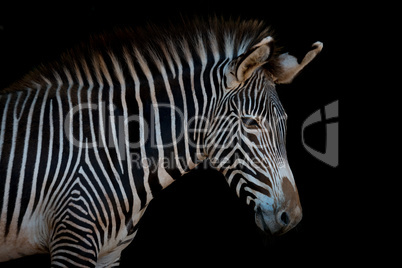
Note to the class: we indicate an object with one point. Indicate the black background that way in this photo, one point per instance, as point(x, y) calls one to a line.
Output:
point(198, 219)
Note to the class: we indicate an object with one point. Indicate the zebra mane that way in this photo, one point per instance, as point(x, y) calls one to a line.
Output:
point(213, 37)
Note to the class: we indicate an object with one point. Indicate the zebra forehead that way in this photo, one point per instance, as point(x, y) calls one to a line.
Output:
point(259, 97)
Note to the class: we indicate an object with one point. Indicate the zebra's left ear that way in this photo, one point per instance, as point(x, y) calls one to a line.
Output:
point(242, 67)
point(289, 67)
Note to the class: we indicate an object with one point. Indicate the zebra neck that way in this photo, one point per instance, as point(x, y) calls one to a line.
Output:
point(182, 96)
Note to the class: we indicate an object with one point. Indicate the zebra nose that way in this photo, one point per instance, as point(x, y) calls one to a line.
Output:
point(289, 218)
point(277, 222)
point(284, 219)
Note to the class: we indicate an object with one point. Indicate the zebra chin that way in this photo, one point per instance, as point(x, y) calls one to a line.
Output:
point(279, 222)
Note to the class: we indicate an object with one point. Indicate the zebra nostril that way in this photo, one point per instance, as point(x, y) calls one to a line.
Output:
point(285, 218)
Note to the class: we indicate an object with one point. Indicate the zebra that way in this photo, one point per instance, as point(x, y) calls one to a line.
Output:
point(87, 140)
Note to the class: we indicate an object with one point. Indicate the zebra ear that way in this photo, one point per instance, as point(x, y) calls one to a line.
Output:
point(242, 67)
point(289, 67)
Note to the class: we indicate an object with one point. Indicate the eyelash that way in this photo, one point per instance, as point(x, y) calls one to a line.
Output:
point(250, 122)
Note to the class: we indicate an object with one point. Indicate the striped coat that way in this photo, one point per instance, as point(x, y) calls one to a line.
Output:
point(88, 140)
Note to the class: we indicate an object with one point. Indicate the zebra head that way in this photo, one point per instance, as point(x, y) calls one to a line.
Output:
point(246, 138)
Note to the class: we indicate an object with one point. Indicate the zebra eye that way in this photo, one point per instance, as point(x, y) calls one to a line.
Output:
point(250, 122)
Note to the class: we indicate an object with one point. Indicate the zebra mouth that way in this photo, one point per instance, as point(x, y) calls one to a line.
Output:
point(268, 224)
point(259, 218)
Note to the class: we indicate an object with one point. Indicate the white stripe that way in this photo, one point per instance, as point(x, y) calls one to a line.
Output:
point(126, 138)
point(43, 204)
point(54, 194)
point(103, 193)
point(189, 161)
point(96, 153)
point(37, 164)
point(26, 147)
point(112, 118)
point(189, 59)
point(165, 178)
point(229, 44)
point(3, 123)
point(173, 111)
point(142, 123)
point(169, 46)
point(3, 217)
point(201, 132)
point(91, 197)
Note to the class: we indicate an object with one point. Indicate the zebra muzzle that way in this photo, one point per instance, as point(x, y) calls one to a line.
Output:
point(277, 223)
